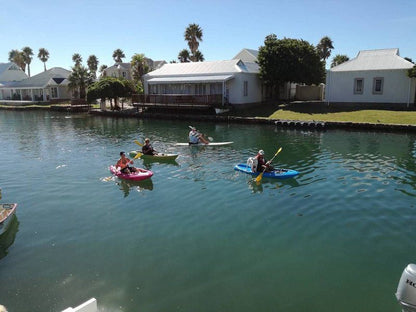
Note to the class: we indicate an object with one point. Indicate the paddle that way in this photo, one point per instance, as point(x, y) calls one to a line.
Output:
point(260, 176)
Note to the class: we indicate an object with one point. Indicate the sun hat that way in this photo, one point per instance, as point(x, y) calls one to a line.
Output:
point(261, 152)
point(146, 140)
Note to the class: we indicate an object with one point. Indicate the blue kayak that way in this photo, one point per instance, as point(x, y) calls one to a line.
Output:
point(275, 174)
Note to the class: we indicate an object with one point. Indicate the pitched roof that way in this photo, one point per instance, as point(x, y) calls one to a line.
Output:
point(384, 59)
point(53, 76)
point(11, 72)
point(204, 68)
point(247, 55)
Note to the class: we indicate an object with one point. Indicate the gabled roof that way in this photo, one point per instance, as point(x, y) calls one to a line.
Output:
point(247, 55)
point(384, 59)
point(204, 68)
point(53, 76)
point(11, 72)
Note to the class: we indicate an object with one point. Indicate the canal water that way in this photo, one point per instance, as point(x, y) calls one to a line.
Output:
point(200, 236)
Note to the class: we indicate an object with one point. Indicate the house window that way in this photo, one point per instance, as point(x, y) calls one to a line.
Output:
point(124, 74)
point(54, 93)
point(358, 85)
point(245, 88)
point(378, 85)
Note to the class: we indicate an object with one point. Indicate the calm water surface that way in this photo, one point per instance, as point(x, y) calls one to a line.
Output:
point(200, 236)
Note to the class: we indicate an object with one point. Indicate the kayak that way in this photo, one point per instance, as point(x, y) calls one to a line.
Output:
point(6, 213)
point(157, 157)
point(205, 144)
point(275, 174)
point(142, 174)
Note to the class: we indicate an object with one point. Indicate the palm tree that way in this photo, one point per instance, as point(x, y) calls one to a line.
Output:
point(184, 56)
point(43, 55)
point(17, 57)
point(193, 34)
point(79, 80)
point(101, 70)
point(118, 55)
point(27, 55)
point(324, 48)
point(77, 59)
point(339, 59)
point(92, 63)
point(197, 56)
point(139, 67)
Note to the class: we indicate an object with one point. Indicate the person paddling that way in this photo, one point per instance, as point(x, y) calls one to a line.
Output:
point(262, 164)
point(123, 164)
point(147, 148)
point(195, 136)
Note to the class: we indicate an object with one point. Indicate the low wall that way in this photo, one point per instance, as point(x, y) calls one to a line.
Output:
point(309, 93)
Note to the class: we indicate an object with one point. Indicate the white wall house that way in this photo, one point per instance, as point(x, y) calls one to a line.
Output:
point(48, 86)
point(123, 70)
point(232, 81)
point(374, 76)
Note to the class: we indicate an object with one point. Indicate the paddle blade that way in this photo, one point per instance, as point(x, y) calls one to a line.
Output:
point(280, 149)
point(138, 143)
point(138, 155)
point(259, 177)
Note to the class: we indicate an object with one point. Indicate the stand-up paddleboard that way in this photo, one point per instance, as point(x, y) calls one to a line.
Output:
point(157, 157)
point(142, 174)
point(275, 174)
point(205, 144)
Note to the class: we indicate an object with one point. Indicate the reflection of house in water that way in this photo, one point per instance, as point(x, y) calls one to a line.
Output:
point(7, 238)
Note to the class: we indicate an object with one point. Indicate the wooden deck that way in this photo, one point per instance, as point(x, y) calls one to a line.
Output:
point(176, 106)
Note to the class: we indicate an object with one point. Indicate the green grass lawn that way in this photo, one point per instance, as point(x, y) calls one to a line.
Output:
point(361, 116)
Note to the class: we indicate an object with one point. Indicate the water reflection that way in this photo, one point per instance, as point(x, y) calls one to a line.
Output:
point(7, 238)
point(257, 187)
point(126, 186)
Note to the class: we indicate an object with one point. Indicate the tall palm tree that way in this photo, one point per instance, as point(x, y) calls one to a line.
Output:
point(92, 63)
point(17, 57)
point(324, 48)
point(339, 59)
point(77, 59)
point(184, 56)
point(139, 67)
point(27, 55)
point(79, 79)
point(197, 56)
point(193, 35)
point(43, 55)
point(118, 55)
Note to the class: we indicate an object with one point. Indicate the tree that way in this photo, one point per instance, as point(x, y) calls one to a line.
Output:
point(411, 73)
point(18, 58)
point(118, 56)
point(101, 70)
point(92, 63)
point(197, 56)
point(184, 56)
point(79, 79)
point(339, 59)
point(77, 59)
point(27, 56)
point(324, 48)
point(289, 60)
point(139, 67)
point(43, 55)
point(193, 35)
point(110, 88)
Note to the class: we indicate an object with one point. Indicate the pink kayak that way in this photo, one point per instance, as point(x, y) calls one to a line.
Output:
point(142, 174)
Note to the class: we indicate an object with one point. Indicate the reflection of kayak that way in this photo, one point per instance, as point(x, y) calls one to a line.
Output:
point(6, 213)
point(276, 174)
point(142, 174)
point(157, 157)
point(203, 144)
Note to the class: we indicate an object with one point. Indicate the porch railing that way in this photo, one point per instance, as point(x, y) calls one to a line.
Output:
point(209, 100)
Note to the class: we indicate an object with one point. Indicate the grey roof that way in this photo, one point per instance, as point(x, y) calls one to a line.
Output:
point(11, 72)
point(385, 59)
point(204, 68)
point(247, 55)
point(190, 79)
point(53, 76)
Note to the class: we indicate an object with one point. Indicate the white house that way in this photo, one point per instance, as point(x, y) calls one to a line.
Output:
point(48, 86)
point(232, 81)
point(11, 72)
point(374, 76)
point(123, 70)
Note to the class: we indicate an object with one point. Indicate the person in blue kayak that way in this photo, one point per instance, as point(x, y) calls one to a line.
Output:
point(123, 164)
point(262, 164)
point(196, 137)
point(147, 148)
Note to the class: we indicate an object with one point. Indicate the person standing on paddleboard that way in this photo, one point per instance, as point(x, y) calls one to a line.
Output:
point(147, 148)
point(123, 164)
point(195, 137)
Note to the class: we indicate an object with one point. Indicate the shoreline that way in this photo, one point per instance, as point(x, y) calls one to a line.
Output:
point(293, 124)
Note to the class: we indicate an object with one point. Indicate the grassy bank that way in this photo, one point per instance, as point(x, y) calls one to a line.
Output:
point(361, 116)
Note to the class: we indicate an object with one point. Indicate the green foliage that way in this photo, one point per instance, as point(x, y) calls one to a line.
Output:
point(339, 59)
point(110, 88)
point(411, 73)
point(289, 60)
point(139, 67)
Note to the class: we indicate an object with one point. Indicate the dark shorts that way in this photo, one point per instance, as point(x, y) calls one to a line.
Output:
point(131, 169)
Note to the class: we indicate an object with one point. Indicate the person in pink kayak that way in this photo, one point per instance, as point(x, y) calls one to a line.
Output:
point(123, 164)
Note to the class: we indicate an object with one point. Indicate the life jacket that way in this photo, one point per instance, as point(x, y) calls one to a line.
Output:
point(252, 162)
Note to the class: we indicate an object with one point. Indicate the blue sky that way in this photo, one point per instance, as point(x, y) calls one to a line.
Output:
point(156, 28)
